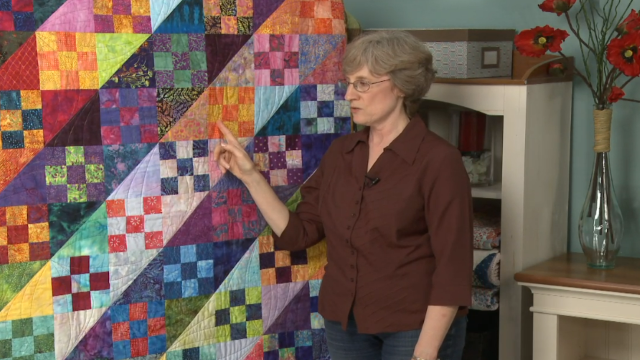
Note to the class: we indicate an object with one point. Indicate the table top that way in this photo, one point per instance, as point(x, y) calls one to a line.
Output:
point(571, 270)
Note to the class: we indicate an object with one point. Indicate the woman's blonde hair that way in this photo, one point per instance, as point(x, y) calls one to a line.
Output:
point(397, 54)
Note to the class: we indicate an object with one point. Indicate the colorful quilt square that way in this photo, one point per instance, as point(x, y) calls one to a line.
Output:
point(135, 224)
point(234, 106)
point(24, 234)
point(67, 60)
point(80, 283)
point(180, 60)
point(321, 17)
point(122, 16)
point(279, 266)
point(276, 59)
point(27, 338)
point(75, 174)
point(17, 15)
point(21, 124)
point(323, 110)
point(128, 116)
point(234, 215)
point(188, 271)
point(279, 159)
point(238, 314)
point(228, 17)
point(138, 329)
point(184, 167)
point(289, 345)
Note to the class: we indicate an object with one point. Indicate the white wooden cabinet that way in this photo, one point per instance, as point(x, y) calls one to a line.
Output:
point(584, 314)
point(534, 189)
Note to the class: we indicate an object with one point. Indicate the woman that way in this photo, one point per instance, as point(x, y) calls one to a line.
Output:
point(394, 204)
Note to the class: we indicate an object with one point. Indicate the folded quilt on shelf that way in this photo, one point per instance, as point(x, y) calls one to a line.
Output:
point(486, 231)
point(485, 299)
point(486, 268)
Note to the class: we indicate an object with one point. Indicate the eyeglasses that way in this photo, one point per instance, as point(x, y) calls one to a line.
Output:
point(360, 85)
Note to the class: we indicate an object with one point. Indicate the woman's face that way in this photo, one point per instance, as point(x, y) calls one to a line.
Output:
point(376, 105)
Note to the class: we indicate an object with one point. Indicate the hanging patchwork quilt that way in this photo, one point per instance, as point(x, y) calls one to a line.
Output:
point(119, 236)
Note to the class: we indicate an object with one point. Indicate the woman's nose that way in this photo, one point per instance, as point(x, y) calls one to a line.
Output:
point(351, 93)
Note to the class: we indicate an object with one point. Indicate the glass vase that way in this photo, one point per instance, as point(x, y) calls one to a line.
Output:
point(601, 225)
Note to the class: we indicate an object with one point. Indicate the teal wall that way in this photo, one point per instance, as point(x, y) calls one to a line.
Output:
point(524, 14)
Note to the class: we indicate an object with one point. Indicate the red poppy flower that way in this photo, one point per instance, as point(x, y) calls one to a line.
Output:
point(537, 41)
point(623, 53)
point(615, 94)
point(557, 6)
point(556, 69)
point(631, 23)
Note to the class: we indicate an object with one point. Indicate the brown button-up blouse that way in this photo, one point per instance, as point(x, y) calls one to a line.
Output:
point(399, 237)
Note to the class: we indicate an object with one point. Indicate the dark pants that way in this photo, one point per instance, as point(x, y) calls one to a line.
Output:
point(349, 345)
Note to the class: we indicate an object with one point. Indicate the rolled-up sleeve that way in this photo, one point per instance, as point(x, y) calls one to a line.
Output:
point(449, 216)
point(304, 228)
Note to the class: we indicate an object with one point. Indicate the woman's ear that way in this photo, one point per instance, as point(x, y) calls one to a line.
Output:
point(397, 92)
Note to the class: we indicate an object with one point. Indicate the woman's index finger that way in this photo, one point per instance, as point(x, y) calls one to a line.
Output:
point(228, 135)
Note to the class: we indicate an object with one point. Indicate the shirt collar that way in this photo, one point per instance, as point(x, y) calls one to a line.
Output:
point(405, 145)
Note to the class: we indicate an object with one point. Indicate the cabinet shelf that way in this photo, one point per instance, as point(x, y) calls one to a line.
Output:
point(535, 128)
point(487, 192)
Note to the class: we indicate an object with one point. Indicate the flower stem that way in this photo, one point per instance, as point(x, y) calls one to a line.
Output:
point(573, 30)
point(584, 78)
point(631, 100)
point(626, 82)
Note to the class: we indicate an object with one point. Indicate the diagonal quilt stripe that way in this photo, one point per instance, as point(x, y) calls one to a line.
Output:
point(263, 9)
point(21, 70)
point(33, 300)
point(275, 299)
point(72, 16)
point(329, 71)
point(268, 100)
point(238, 349)
point(71, 327)
point(14, 277)
point(160, 10)
point(143, 180)
point(239, 71)
point(285, 20)
point(43, 9)
point(314, 49)
point(113, 50)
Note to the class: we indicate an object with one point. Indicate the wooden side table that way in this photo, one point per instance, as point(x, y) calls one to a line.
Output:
point(582, 313)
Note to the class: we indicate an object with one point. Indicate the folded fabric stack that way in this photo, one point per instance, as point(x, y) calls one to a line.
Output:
point(485, 299)
point(486, 280)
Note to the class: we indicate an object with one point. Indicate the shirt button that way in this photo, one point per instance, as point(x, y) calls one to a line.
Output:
point(348, 227)
point(353, 214)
